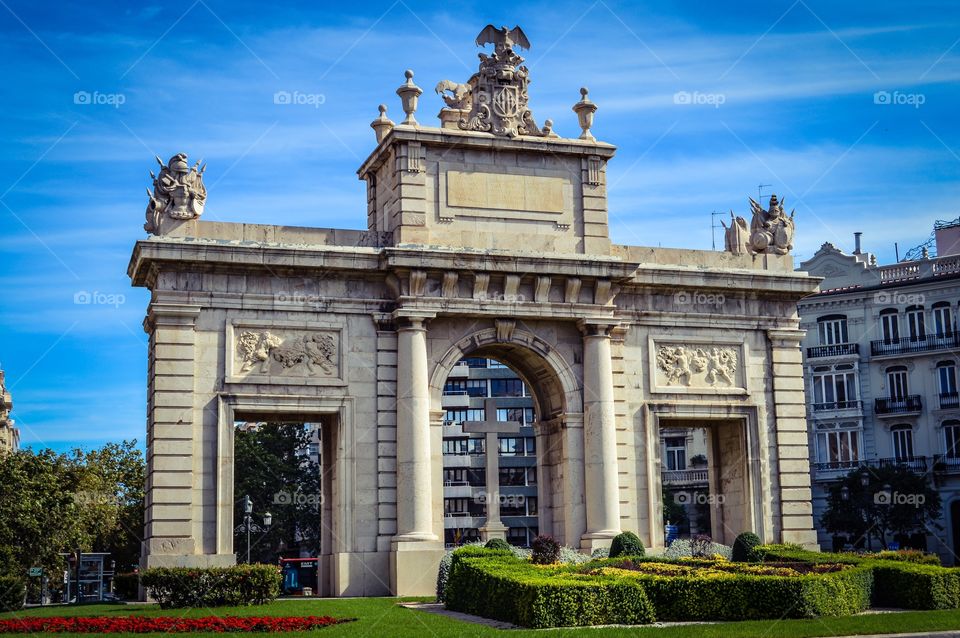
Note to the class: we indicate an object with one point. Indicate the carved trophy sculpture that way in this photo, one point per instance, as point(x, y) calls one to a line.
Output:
point(771, 231)
point(736, 235)
point(494, 99)
point(178, 192)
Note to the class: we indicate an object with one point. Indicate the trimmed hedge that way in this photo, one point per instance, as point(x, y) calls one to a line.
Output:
point(497, 543)
point(127, 586)
point(13, 591)
point(748, 597)
point(913, 586)
point(626, 544)
point(744, 548)
point(496, 584)
point(175, 587)
point(546, 550)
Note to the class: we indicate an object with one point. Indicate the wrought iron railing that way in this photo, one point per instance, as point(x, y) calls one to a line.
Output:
point(835, 350)
point(912, 345)
point(898, 405)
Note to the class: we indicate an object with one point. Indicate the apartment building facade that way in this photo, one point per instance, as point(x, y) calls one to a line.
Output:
point(880, 364)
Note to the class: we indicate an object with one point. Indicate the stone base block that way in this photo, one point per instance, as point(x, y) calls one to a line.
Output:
point(805, 537)
point(359, 574)
point(489, 532)
point(414, 567)
point(590, 542)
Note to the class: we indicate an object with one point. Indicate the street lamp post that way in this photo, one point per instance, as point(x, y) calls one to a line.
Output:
point(247, 519)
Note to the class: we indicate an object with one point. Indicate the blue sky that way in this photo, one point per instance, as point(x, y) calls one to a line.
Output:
point(782, 93)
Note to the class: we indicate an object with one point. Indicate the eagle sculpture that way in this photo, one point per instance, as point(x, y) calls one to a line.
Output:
point(503, 38)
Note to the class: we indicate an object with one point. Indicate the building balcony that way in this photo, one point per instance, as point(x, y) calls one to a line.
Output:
point(949, 400)
point(910, 404)
point(831, 470)
point(455, 399)
point(684, 477)
point(835, 350)
point(461, 489)
point(943, 464)
point(836, 406)
point(459, 371)
point(914, 345)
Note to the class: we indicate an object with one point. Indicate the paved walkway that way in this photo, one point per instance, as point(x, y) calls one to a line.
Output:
point(440, 610)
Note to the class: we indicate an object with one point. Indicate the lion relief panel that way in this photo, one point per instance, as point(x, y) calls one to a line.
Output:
point(702, 366)
point(279, 354)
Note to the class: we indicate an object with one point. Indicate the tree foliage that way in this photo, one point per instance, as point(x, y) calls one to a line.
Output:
point(55, 502)
point(878, 502)
point(272, 467)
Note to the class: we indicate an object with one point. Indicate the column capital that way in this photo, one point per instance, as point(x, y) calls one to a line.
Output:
point(786, 337)
point(597, 326)
point(412, 319)
point(170, 314)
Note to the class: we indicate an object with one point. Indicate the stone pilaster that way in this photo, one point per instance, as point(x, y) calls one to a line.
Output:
point(599, 437)
point(793, 451)
point(169, 537)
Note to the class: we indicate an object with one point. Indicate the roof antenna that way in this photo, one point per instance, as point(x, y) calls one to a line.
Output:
point(713, 228)
point(760, 188)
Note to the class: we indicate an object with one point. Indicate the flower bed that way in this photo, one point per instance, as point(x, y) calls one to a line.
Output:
point(164, 624)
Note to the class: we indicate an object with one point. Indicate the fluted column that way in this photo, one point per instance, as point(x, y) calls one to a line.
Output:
point(414, 494)
point(599, 436)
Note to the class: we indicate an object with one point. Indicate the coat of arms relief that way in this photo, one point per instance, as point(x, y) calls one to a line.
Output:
point(495, 99)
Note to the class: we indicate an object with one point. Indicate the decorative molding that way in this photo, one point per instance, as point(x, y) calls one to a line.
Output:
point(571, 292)
point(505, 328)
point(449, 286)
point(418, 280)
point(541, 293)
point(481, 282)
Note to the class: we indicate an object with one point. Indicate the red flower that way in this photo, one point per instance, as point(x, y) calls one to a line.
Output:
point(166, 624)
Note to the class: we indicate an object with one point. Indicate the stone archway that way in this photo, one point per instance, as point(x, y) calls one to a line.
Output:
point(559, 427)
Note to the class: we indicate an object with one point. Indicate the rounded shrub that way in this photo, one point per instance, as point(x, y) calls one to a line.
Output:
point(498, 543)
point(12, 593)
point(546, 550)
point(745, 548)
point(626, 544)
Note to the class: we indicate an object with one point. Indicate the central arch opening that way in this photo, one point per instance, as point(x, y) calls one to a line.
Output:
point(485, 390)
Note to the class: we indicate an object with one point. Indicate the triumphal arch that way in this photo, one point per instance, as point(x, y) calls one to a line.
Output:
point(486, 235)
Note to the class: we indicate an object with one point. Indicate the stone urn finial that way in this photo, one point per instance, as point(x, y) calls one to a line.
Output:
point(382, 124)
point(409, 92)
point(585, 110)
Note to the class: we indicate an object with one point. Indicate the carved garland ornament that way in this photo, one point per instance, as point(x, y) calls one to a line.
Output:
point(680, 363)
point(260, 348)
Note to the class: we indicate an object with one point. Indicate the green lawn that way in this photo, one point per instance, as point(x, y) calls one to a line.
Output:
point(383, 617)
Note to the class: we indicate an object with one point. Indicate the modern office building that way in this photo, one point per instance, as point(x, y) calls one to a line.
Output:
point(465, 482)
point(685, 477)
point(881, 372)
point(9, 434)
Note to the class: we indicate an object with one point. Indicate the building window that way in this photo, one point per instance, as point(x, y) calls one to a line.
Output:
point(521, 536)
point(915, 324)
point(832, 330)
point(951, 435)
point(902, 442)
point(455, 386)
point(834, 387)
point(676, 452)
point(897, 388)
point(523, 416)
point(477, 387)
point(942, 319)
point(890, 326)
point(840, 446)
point(518, 446)
point(947, 378)
point(462, 446)
point(462, 476)
point(476, 414)
point(463, 507)
point(506, 388)
point(454, 417)
point(493, 363)
point(474, 362)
